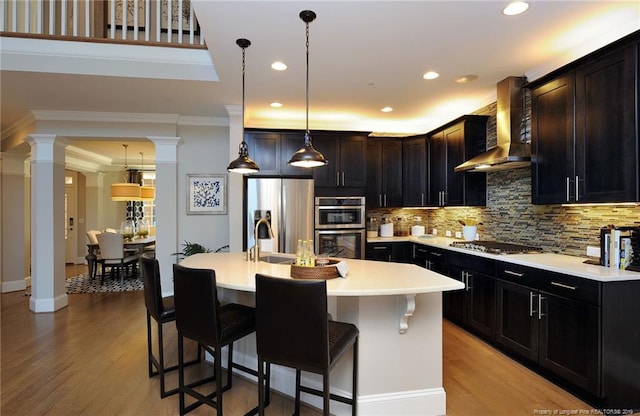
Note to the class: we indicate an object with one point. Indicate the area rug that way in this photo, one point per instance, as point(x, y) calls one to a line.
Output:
point(84, 284)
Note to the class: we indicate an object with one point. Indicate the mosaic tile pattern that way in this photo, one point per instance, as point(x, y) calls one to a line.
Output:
point(510, 217)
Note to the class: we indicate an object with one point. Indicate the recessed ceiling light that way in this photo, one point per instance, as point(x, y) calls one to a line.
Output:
point(431, 75)
point(275, 104)
point(466, 78)
point(279, 66)
point(386, 109)
point(515, 8)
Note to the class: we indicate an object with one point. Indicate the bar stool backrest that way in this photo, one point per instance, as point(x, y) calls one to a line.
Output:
point(152, 288)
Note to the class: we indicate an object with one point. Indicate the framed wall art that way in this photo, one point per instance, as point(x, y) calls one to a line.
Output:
point(206, 194)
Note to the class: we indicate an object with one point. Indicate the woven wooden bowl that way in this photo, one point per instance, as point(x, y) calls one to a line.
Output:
point(316, 273)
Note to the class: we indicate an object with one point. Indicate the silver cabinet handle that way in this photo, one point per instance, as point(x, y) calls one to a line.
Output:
point(435, 254)
point(469, 287)
point(385, 200)
point(577, 180)
point(564, 286)
point(568, 189)
point(530, 303)
point(342, 178)
point(512, 273)
point(380, 248)
point(379, 200)
point(540, 299)
point(422, 199)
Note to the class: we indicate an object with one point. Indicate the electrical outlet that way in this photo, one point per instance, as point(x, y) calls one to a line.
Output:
point(477, 236)
point(458, 234)
point(447, 233)
point(434, 231)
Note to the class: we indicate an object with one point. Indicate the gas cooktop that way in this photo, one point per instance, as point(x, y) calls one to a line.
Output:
point(495, 247)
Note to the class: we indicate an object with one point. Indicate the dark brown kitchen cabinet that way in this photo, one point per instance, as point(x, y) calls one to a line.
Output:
point(271, 150)
point(414, 172)
point(346, 154)
point(448, 147)
point(384, 173)
point(473, 306)
point(431, 258)
point(584, 131)
point(397, 252)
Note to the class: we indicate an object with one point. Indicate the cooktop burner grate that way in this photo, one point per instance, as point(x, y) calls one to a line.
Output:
point(496, 247)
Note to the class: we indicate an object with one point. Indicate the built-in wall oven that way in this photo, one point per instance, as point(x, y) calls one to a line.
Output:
point(340, 226)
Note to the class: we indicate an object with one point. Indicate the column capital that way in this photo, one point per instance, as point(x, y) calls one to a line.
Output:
point(44, 147)
point(166, 148)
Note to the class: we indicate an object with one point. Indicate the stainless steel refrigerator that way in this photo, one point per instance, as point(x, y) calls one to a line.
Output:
point(288, 205)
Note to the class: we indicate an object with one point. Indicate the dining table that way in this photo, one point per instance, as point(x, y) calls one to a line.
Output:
point(134, 245)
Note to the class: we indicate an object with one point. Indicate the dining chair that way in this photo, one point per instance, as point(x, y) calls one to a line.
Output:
point(112, 254)
point(162, 310)
point(293, 329)
point(92, 236)
point(201, 318)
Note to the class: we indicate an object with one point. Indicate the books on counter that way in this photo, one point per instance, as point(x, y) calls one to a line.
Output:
point(616, 247)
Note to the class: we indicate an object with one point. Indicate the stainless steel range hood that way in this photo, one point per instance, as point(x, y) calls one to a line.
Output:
point(510, 152)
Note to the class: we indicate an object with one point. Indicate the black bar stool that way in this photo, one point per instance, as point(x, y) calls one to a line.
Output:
point(200, 317)
point(161, 309)
point(293, 329)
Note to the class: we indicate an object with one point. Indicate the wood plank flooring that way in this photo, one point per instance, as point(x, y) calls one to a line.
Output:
point(90, 359)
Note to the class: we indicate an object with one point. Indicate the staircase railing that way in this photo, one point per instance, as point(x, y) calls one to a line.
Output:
point(158, 21)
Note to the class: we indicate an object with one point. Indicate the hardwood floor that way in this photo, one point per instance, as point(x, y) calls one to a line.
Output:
point(90, 359)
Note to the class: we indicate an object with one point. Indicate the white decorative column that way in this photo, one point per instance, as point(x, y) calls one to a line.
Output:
point(12, 221)
point(166, 207)
point(47, 223)
point(234, 190)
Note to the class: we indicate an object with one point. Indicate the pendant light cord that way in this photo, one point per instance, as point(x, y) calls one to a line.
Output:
point(307, 81)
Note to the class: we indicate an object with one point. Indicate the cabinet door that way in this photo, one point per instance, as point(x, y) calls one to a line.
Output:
point(374, 174)
point(454, 302)
point(517, 319)
point(414, 172)
point(552, 116)
point(569, 344)
point(378, 251)
point(606, 127)
point(437, 168)
point(392, 173)
point(353, 169)
point(481, 303)
point(264, 149)
point(329, 146)
point(454, 182)
point(291, 143)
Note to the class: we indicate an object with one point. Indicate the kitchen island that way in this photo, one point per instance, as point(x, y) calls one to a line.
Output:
point(398, 310)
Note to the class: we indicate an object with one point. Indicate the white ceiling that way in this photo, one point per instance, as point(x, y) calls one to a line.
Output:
point(364, 55)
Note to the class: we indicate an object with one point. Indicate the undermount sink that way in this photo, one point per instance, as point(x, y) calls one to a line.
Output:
point(277, 259)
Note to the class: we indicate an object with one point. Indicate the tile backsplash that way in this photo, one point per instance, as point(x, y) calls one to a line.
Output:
point(510, 217)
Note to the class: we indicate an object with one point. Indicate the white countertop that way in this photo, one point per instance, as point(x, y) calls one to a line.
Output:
point(365, 278)
point(559, 263)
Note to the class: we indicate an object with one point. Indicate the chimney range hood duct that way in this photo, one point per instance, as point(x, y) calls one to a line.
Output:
point(510, 152)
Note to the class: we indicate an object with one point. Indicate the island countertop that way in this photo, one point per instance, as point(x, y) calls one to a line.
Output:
point(365, 278)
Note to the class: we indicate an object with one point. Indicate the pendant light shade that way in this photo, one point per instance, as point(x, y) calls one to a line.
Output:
point(147, 193)
point(243, 164)
point(125, 191)
point(307, 156)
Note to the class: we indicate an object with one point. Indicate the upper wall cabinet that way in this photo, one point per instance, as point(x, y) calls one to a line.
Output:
point(346, 171)
point(584, 129)
point(384, 172)
point(271, 150)
point(414, 171)
point(448, 147)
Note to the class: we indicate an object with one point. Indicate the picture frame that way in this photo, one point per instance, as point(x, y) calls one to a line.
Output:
point(206, 194)
point(186, 28)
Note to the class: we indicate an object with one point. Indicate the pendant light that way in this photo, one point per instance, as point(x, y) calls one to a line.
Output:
point(307, 156)
point(147, 193)
point(243, 164)
point(125, 191)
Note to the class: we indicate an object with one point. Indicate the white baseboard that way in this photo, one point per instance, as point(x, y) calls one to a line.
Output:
point(48, 305)
point(15, 285)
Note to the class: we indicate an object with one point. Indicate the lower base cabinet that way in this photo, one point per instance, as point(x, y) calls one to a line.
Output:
point(398, 252)
point(559, 334)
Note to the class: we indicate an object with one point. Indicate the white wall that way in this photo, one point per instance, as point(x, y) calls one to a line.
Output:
point(202, 150)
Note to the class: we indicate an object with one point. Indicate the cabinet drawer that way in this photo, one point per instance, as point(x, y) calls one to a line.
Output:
point(571, 287)
point(423, 252)
point(473, 263)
